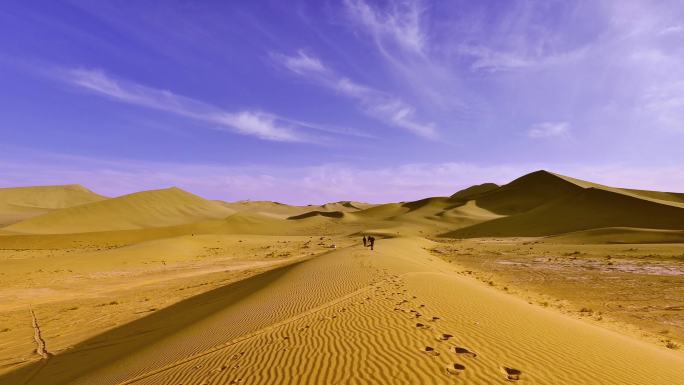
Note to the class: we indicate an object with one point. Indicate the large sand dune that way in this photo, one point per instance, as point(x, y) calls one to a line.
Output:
point(19, 203)
point(547, 204)
point(134, 211)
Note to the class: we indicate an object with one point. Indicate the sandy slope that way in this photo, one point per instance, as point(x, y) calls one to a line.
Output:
point(19, 203)
point(626, 235)
point(396, 315)
point(153, 208)
point(282, 211)
point(543, 203)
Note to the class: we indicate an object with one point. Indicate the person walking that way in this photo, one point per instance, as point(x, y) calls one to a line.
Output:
point(364, 241)
point(372, 241)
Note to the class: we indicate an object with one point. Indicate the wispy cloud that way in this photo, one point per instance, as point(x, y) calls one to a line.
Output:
point(488, 59)
point(377, 104)
point(549, 130)
point(399, 32)
point(672, 30)
point(665, 105)
point(253, 123)
point(400, 23)
point(303, 63)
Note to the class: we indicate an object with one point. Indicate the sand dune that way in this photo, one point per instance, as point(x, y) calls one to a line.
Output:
point(153, 208)
point(327, 214)
point(280, 210)
point(471, 191)
point(626, 235)
point(238, 223)
point(587, 209)
point(19, 203)
point(545, 204)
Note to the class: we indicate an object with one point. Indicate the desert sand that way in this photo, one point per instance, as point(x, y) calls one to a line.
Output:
point(545, 280)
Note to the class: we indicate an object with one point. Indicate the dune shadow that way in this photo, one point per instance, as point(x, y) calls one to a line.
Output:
point(126, 339)
point(327, 214)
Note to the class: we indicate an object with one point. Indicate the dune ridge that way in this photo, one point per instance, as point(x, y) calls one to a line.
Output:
point(543, 203)
point(20, 203)
point(152, 208)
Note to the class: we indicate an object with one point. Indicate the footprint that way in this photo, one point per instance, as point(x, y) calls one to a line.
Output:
point(465, 351)
point(455, 369)
point(512, 374)
point(430, 351)
point(433, 319)
point(444, 337)
point(422, 326)
point(416, 314)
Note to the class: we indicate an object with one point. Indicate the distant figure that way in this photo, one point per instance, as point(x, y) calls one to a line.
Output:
point(372, 241)
point(364, 241)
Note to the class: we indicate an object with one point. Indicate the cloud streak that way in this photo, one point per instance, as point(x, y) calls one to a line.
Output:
point(401, 23)
point(379, 105)
point(400, 32)
point(549, 130)
point(252, 123)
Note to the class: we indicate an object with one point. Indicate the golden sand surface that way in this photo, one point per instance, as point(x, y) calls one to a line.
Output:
point(397, 314)
point(494, 285)
point(633, 288)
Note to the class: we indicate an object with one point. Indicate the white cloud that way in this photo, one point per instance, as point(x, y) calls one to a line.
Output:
point(253, 123)
point(401, 23)
point(302, 63)
point(672, 30)
point(399, 31)
point(486, 58)
point(379, 105)
point(549, 130)
point(664, 104)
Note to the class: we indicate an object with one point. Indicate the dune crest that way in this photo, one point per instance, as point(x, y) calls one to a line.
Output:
point(154, 208)
point(20, 203)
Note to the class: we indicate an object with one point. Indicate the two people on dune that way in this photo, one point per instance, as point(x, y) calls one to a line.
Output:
point(370, 241)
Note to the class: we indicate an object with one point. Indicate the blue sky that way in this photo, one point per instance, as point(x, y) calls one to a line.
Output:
point(314, 101)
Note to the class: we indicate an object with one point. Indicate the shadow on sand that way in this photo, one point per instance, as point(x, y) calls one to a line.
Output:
point(123, 340)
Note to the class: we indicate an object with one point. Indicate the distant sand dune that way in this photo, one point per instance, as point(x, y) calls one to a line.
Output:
point(627, 235)
point(543, 203)
point(20, 203)
point(134, 211)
